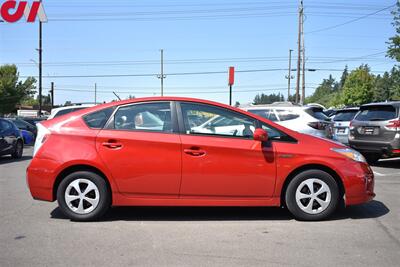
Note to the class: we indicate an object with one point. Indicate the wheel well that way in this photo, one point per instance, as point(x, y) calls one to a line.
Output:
point(76, 168)
point(311, 167)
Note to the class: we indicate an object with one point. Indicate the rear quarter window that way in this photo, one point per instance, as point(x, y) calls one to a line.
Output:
point(266, 113)
point(286, 115)
point(376, 113)
point(98, 119)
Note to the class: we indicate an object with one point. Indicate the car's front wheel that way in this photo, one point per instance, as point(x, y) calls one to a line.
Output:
point(83, 196)
point(312, 195)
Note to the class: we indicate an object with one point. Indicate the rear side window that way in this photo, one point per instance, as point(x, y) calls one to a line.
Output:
point(286, 115)
point(317, 113)
point(98, 119)
point(376, 113)
point(345, 115)
point(266, 113)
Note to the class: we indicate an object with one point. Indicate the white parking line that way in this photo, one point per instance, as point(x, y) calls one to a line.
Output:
point(386, 174)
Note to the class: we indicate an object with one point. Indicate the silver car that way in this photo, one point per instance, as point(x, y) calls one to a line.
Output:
point(304, 119)
point(341, 124)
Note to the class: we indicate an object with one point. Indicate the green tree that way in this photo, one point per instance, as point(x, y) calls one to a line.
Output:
point(237, 104)
point(323, 93)
point(267, 99)
point(394, 42)
point(395, 83)
point(382, 88)
point(12, 90)
point(343, 78)
point(359, 86)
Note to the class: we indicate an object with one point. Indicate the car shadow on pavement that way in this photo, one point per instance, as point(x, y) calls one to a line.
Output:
point(9, 159)
point(388, 163)
point(373, 209)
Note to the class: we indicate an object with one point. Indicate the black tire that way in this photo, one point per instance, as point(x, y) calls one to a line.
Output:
point(104, 201)
point(18, 150)
point(372, 158)
point(294, 184)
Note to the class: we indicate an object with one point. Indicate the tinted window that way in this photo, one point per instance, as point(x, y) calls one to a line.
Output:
point(376, 113)
point(66, 111)
point(98, 119)
point(285, 115)
point(317, 114)
point(218, 121)
point(266, 113)
point(274, 134)
point(5, 126)
point(147, 116)
point(345, 115)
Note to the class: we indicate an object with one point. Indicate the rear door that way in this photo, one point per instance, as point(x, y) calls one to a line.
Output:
point(142, 150)
point(373, 123)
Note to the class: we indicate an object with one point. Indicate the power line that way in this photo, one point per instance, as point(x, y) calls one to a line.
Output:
point(350, 21)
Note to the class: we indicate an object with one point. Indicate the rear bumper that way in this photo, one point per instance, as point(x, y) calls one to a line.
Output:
point(383, 148)
point(40, 178)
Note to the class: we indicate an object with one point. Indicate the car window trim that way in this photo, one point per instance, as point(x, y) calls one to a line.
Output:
point(110, 123)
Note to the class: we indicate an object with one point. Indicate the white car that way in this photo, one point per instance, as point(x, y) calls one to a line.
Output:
point(55, 112)
point(341, 121)
point(304, 119)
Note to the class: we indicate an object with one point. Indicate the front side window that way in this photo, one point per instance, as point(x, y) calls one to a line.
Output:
point(216, 121)
point(146, 117)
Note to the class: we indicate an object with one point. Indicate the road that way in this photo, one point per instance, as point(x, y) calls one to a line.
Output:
point(34, 233)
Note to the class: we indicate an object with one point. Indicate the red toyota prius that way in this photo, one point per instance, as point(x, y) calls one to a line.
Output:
point(170, 151)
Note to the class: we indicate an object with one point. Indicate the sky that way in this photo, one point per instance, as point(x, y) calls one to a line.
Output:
point(85, 40)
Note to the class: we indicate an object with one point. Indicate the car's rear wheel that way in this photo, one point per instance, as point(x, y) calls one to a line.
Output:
point(19, 150)
point(372, 158)
point(83, 196)
point(312, 195)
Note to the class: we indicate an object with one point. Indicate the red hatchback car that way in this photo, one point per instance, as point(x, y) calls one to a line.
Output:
point(170, 151)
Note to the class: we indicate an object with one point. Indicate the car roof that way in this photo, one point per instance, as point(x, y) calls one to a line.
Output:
point(71, 107)
point(390, 103)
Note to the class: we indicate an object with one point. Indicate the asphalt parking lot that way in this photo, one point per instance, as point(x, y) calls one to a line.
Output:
point(34, 233)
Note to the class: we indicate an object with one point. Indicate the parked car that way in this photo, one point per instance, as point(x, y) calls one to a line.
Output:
point(28, 137)
point(106, 163)
point(341, 121)
point(33, 120)
point(55, 112)
point(309, 120)
point(24, 125)
point(11, 141)
point(375, 130)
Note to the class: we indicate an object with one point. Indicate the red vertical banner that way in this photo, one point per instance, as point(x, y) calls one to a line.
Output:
point(231, 79)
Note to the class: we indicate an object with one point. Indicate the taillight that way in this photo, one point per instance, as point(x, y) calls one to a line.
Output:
point(42, 135)
point(318, 125)
point(393, 124)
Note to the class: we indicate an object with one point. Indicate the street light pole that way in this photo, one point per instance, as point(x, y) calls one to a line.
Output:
point(289, 76)
point(40, 68)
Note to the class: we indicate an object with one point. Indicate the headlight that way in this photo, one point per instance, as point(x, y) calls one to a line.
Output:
point(350, 153)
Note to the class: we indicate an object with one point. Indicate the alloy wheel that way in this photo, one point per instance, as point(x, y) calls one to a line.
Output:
point(313, 196)
point(82, 196)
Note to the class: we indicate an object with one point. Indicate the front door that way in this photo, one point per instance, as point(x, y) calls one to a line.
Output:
point(142, 151)
point(220, 157)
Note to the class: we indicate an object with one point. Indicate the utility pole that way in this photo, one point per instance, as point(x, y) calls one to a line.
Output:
point(95, 93)
point(299, 51)
point(303, 85)
point(40, 68)
point(162, 76)
point(52, 94)
point(289, 76)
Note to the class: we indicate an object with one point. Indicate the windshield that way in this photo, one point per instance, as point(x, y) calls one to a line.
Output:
point(376, 113)
point(345, 115)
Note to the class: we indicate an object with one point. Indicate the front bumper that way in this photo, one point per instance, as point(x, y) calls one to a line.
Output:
point(360, 186)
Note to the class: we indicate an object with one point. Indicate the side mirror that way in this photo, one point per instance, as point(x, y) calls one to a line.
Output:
point(260, 135)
